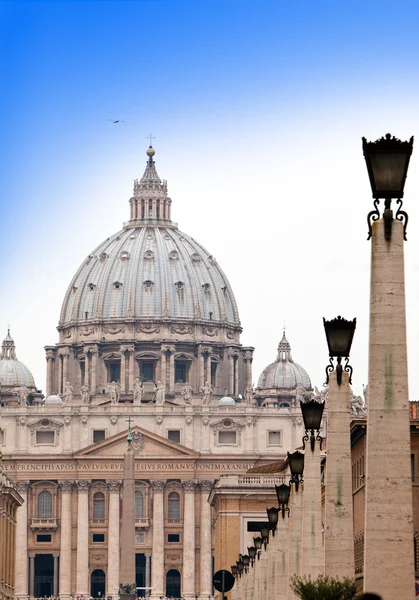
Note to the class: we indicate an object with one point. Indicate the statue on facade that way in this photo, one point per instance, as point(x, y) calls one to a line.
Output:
point(160, 393)
point(186, 393)
point(85, 394)
point(248, 394)
point(365, 393)
point(114, 392)
point(322, 395)
point(357, 406)
point(22, 395)
point(138, 390)
point(68, 394)
point(207, 393)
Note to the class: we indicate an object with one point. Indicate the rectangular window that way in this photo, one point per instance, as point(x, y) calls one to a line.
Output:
point(173, 537)
point(274, 438)
point(213, 373)
point(43, 538)
point(114, 372)
point(45, 437)
point(82, 372)
point(226, 437)
point(174, 435)
point(98, 435)
point(147, 371)
point(180, 372)
point(98, 537)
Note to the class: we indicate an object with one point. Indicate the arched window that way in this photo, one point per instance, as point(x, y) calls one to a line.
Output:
point(139, 505)
point(173, 505)
point(45, 505)
point(99, 506)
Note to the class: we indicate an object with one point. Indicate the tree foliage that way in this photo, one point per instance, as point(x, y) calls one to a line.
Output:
point(323, 588)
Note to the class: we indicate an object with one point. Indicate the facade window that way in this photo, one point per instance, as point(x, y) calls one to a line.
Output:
point(173, 504)
point(139, 504)
point(82, 372)
point(45, 505)
point(45, 437)
point(99, 506)
point(43, 537)
point(98, 537)
point(147, 371)
point(114, 371)
point(174, 435)
point(226, 437)
point(213, 373)
point(98, 435)
point(173, 538)
point(274, 438)
point(181, 370)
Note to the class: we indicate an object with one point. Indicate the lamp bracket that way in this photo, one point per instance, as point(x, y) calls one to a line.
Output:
point(372, 216)
point(348, 369)
point(402, 216)
point(330, 367)
point(312, 438)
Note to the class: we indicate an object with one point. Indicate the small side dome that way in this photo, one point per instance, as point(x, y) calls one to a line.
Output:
point(226, 401)
point(13, 373)
point(53, 399)
point(284, 373)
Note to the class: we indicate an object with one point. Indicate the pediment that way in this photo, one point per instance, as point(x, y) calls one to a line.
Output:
point(144, 444)
point(45, 423)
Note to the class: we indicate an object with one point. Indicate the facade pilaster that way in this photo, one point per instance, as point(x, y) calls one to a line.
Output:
point(205, 542)
point(123, 370)
point(65, 355)
point(113, 579)
point(188, 587)
point(65, 541)
point(50, 362)
point(249, 360)
point(21, 558)
point(131, 363)
point(231, 373)
point(157, 564)
point(163, 376)
point(60, 373)
point(201, 367)
point(147, 570)
point(172, 369)
point(82, 583)
point(31, 575)
point(55, 579)
point(93, 358)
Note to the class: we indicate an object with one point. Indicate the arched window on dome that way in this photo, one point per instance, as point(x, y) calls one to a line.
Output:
point(99, 505)
point(45, 505)
point(173, 506)
point(139, 505)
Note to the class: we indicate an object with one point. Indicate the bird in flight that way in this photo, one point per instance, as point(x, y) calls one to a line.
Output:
point(116, 120)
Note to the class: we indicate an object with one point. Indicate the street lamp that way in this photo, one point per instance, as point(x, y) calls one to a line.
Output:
point(234, 570)
point(246, 562)
point(296, 463)
point(312, 415)
point(273, 518)
point(240, 566)
point(387, 163)
point(264, 532)
point(252, 554)
point(339, 336)
point(283, 494)
point(258, 541)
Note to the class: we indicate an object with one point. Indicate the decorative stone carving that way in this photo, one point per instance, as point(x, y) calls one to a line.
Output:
point(138, 442)
point(181, 329)
point(230, 334)
point(206, 394)
point(319, 395)
point(22, 486)
point(85, 394)
point(160, 393)
point(148, 328)
point(157, 485)
point(186, 393)
point(250, 421)
point(86, 331)
point(22, 395)
point(357, 406)
point(67, 420)
point(113, 330)
point(98, 557)
point(189, 485)
point(21, 421)
point(188, 420)
point(114, 391)
point(83, 486)
point(66, 485)
point(68, 394)
point(297, 421)
point(83, 420)
point(210, 331)
point(206, 486)
point(138, 390)
point(227, 425)
point(249, 394)
point(159, 420)
point(205, 421)
point(114, 485)
point(173, 557)
point(114, 420)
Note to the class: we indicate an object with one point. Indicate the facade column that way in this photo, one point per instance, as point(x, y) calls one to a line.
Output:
point(388, 535)
point(65, 541)
point(112, 580)
point(208, 367)
point(172, 369)
point(21, 558)
point(312, 549)
point(188, 581)
point(60, 373)
point(339, 559)
point(65, 367)
point(236, 375)
point(82, 583)
point(282, 559)
point(201, 368)
point(157, 564)
point(230, 373)
point(93, 358)
point(163, 377)
point(131, 375)
point(249, 360)
point(123, 371)
point(32, 575)
point(55, 580)
point(205, 542)
point(50, 359)
point(147, 571)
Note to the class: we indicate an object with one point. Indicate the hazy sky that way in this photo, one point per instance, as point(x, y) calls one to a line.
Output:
point(257, 108)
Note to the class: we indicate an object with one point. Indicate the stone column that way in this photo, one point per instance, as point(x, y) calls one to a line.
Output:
point(127, 568)
point(172, 369)
point(236, 374)
point(65, 540)
point(231, 373)
point(282, 558)
point(113, 579)
point(131, 376)
point(60, 373)
point(65, 366)
point(249, 359)
point(55, 580)
point(21, 557)
point(123, 371)
point(147, 571)
point(208, 367)
point(205, 441)
point(82, 564)
point(163, 367)
point(295, 535)
point(93, 358)
point(312, 549)
point(339, 560)
point(157, 564)
point(201, 368)
point(50, 358)
point(205, 542)
point(31, 575)
point(388, 524)
point(188, 581)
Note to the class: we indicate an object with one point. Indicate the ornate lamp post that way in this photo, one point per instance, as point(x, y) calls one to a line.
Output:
point(312, 416)
point(283, 495)
point(258, 541)
point(246, 562)
point(264, 532)
point(339, 335)
point(388, 437)
point(234, 570)
point(273, 518)
point(296, 463)
point(252, 554)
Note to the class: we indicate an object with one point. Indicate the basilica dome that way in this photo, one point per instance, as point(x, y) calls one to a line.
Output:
point(150, 269)
point(13, 373)
point(284, 373)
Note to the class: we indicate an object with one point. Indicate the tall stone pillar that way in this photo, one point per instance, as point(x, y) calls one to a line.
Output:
point(32, 575)
point(188, 582)
point(295, 535)
point(123, 371)
point(131, 376)
point(282, 558)
point(55, 579)
point(65, 365)
point(113, 579)
point(82, 563)
point(231, 373)
point(205, 542)
point(65, 540)
point(93, 358)
point(172, 369)
point(21, 558)
point(388, 524)
point(163, 367)
point(236, 374)
point(147, 571)
point(157, 563)
point(50, 359)
point(60, 373)
point(127, 568)
point(201, 368)
point(249, 359)
point(312, 549)
point(339, 560)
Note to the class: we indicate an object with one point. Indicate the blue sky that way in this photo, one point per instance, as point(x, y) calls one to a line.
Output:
point(257, 109)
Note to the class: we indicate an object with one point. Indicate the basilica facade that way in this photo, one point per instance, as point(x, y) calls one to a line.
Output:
point(149, 339)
